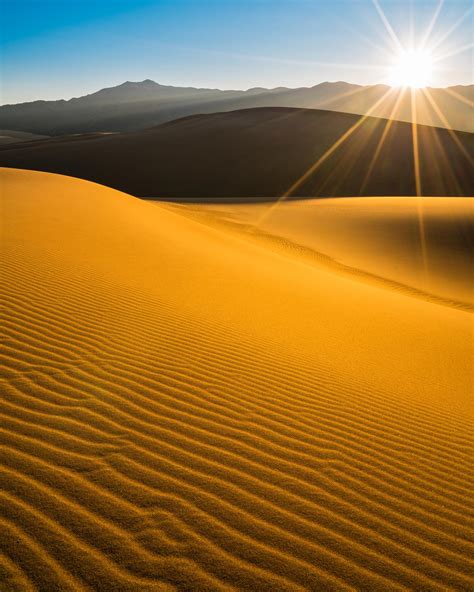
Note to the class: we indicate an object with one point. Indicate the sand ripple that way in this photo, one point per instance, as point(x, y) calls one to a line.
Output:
point(184, 409)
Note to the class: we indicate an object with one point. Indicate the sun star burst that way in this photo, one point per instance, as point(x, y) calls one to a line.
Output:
point(412, 68)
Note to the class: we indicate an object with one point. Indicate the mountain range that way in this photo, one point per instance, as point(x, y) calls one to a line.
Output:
point(134, 106)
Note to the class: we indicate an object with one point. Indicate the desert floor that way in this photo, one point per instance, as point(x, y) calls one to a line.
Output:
point(260, 398)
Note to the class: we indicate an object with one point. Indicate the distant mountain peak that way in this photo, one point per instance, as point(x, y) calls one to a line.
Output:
point(146, 82)
point(335, 83)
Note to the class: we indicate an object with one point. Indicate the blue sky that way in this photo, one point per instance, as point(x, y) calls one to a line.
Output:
point(62, 48)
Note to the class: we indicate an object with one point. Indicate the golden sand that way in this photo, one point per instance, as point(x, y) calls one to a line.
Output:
point(423, 246)
point(191, 404)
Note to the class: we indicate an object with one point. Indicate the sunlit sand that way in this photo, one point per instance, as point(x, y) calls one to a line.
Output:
point(233, 398)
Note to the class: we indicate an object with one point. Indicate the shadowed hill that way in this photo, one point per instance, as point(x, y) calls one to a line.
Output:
point(261, 153)
point(133, 106)
point(12, 137)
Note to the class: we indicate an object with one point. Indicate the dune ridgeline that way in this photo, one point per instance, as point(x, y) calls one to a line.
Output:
point(258, 154)
point(213, 399)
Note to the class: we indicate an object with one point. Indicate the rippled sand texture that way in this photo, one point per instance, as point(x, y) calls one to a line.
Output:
point(187, 404)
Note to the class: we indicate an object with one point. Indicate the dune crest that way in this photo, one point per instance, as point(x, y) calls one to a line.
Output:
point(188, 407)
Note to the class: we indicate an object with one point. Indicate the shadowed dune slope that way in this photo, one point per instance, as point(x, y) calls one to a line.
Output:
point(190, 407)
point(421, 245)
point(12, 137)
point(261, 153)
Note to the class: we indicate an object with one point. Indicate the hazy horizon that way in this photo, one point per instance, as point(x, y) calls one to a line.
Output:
point(201, 87)
point(55, 50)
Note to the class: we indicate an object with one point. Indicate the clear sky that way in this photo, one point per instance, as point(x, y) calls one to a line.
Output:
point(63, 48)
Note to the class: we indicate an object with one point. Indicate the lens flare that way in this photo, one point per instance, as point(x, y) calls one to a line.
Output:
point(412, 68)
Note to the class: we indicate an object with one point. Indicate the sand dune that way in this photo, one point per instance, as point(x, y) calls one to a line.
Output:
point(187, 405)
point(260, 153)
point(419, 245)
point(13, 137)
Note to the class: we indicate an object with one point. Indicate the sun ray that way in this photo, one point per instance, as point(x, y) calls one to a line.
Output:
point(342, 95)
point(458, 96)
point(436, 145)
point(453, 28)
point(336, 177)
point(431, 24)
point(418, 186)
point(393, 36)
point(445, 122)
point(416, 154)
point(411, 23)
point(335, 146)
point(453, 52)
point(381, 142)
point(322, 159)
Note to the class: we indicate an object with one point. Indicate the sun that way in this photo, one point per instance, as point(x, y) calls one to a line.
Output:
point(412, 68)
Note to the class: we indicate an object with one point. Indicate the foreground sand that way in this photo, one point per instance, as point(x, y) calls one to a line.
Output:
point(189, 405)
